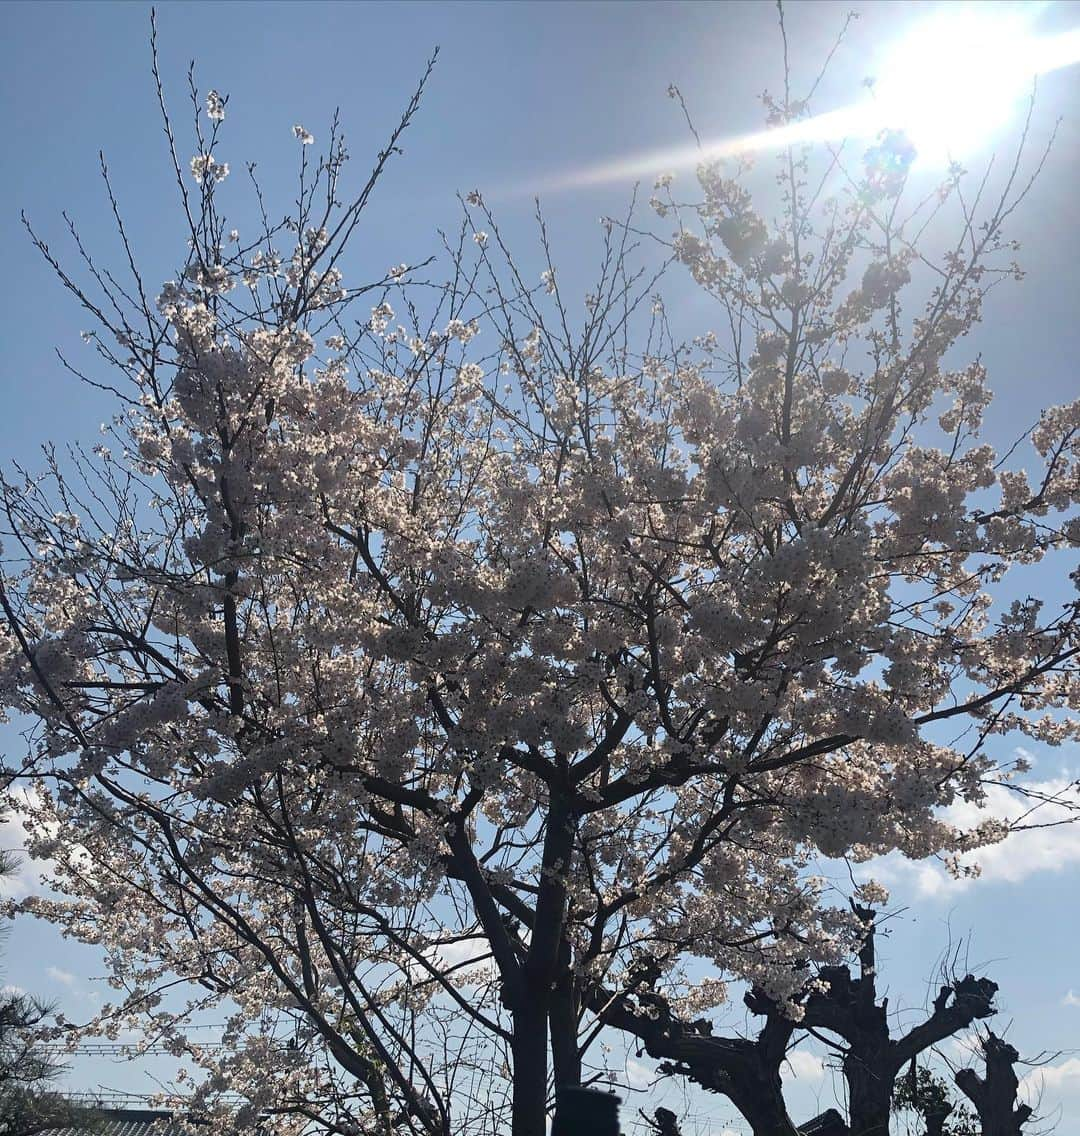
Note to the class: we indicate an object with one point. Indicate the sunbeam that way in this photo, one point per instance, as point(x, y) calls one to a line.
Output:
point(949, 85)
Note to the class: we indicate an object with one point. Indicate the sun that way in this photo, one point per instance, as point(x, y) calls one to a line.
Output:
point(958, 78)
point(950, 86)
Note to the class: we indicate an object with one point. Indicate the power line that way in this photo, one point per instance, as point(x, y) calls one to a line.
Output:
point(115, 1098)
point(121, 1049)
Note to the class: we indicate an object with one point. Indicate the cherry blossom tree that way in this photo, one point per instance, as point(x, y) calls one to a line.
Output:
point(414, 662)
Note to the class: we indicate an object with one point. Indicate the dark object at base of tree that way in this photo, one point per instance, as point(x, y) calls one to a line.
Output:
point(586, 1112)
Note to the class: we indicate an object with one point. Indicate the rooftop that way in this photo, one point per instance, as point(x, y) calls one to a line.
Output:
point(125, 1122)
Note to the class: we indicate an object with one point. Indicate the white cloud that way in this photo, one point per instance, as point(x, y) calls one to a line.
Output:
point(638, 1076)
point(804, 1065)
point(64, 977)
point(31, 875)
point(464, 950)
point(1071, 999)
point(27, 876)
point(1053, 846)
point(459, 955)
point(925, 877)
point(1048, 1082)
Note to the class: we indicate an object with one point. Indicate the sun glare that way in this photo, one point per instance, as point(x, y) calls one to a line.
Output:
point(951, 85)
point(958, 79)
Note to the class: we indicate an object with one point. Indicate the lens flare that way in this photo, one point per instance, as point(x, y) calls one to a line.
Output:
point(950, 84)
point(959, 78)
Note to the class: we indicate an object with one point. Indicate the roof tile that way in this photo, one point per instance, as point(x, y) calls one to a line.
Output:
point(126, 1122)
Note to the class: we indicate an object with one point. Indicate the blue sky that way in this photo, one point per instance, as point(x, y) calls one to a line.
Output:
point(523, 93)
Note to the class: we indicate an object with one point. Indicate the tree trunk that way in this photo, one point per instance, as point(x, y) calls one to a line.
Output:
point(935, 1119)
point(761, 1102)
point(994, 1096)
point(746, 1072)
point(563, 1019)
point(869, 1097)
point(566, 1061)
point(547, 947)
point(529, 1049)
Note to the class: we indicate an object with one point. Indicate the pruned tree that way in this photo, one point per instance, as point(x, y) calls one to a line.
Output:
point(844, 1012)
point(997, 1110)
point(882, 1072)
point(873, 1058)
point(745, 1070)
point(416, 681)
point(994, 1094)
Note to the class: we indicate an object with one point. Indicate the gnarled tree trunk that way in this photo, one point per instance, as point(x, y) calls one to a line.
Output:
point(994, 1096)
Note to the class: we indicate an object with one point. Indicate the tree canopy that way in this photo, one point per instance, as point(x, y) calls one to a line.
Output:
point(422, 663)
